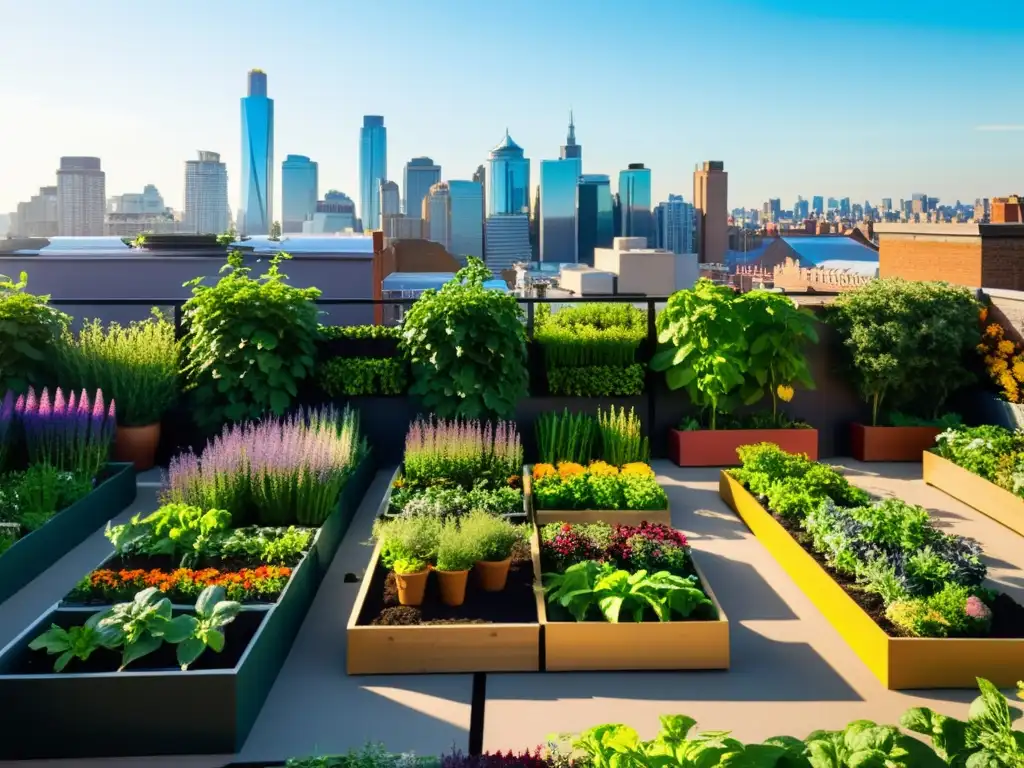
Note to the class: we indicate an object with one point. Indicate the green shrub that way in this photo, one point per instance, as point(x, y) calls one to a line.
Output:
point(249, 342)
point(356, 376)
point(29, 331)
point(590, 334)
point(360, 332)
point(597, 381)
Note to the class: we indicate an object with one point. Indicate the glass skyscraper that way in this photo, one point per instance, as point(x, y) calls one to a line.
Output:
point(674, 225)
point(299, 191)
point(596, 215)
point(558, 179)
point(373, 168)
point(467, 219)
point(509, 179)
point(420, 175)
point(257, 157)
point(635, 202)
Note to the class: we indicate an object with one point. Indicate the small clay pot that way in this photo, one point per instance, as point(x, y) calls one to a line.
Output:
point(453, 587)
point(493, 575)
point(137, 445)
point(412, 587)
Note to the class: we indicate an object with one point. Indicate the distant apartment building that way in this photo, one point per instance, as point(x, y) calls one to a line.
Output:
point(390, 201)
point(335, 213)
point(37, 217)
point(595, 215)
point(206, 195)
point(81, 197)
point(674, 225)
point(420, 174)
point(711, 212)
point(506, 241)
point(398, 226)
point(436, 212)
point(466, 219)
point(818, 205)
point(134, 213)
point(300, 189)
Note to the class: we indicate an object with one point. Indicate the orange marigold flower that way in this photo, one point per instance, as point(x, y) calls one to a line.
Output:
point(995, 330)
point(983, 314)
point(540, 471)
point(998, 366)
point(1006, 347)
point(569, 469)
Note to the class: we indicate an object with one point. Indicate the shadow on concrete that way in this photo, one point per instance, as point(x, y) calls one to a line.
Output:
point(701, 514)
point(742, 591)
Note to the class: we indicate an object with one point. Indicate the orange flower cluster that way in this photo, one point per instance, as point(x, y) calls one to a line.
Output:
point(567, 469)
point(1004, 359)
point(639, 469)
point(265, 582)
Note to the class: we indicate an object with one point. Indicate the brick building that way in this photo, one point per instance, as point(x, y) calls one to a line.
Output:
point(975, 255)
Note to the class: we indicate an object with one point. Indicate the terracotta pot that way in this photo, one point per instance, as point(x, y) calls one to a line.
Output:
point(453, 587)
point(412, 587)
point(493, 575)
point(137, 445)
point(891, 443)
point(717, 447)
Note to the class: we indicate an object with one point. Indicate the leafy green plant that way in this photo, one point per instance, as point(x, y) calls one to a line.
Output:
point(136, 366)
point(408, 538)
point(178, 530)
point(596, 334)
point(703, 346)
point(979, 449)
point(75, 642)
point(192, 635)
point(591, 586)
point(358, 376)
point(361, 332)
point(566, 437)
point(944, 421)
point(597, 381)
point(467, 347)
point(622, 440)
point(137, 627)
point(248, 343)
point(409, 565)
point(29, 330)
point(454, 501)
point(267, 545)
point(907, 343)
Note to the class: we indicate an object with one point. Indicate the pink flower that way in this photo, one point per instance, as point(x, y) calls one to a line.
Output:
point(976, 609)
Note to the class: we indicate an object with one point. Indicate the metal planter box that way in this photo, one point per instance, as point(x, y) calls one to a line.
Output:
point(202, 711)
point(30, 555)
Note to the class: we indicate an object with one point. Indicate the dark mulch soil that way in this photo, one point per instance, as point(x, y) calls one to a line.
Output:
point(237, 636)
point(514, 605)
point(1007, 614)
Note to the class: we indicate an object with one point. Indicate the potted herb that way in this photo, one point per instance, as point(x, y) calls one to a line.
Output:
point(457, 551)
point(495, 538)
point(137, 366)
point(729, 350)
point(908, 346)
point(407, 546)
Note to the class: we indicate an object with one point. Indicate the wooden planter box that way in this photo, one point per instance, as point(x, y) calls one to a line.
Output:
point(436, 649)
point(610, 516)
point(891, 443)
point(974, 491)
point(900, 663)
point(571, 646)
point(30, 555)
point(717, 447)
point(115, 714)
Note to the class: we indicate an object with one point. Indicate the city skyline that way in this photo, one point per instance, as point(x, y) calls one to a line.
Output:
point(870, 131)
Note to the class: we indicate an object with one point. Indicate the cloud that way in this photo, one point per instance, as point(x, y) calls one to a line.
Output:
point(999, 128)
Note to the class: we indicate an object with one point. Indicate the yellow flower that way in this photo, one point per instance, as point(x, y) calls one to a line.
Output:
point(1006, 347)
point(981, 349)
point(540, 471)
point(638, 468)
point(602, 469)
point(998, 366)
point(1018, 369)
point(569, 468)
point(995, 330)
point(785, 393)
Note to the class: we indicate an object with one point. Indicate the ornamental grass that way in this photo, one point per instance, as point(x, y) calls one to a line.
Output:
point(278, 471)
point(462, 452)
point(72, 434)
point(622, 440)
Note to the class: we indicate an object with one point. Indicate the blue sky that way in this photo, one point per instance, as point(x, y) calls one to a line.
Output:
point(880, 99)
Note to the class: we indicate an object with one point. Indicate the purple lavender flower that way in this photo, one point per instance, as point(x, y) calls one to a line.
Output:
point(65, 432)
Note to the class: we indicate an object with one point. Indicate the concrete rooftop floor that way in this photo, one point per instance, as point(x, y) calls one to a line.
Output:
point(791, 672)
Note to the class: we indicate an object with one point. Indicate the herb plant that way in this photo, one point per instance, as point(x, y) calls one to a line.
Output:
point(183, 532)
point(622, 440)
point(361, 376)
point(467, 347)
point(76, 642)
point(29, 330)
point(457, 547)
point(494, 538)
point(461, 452)
point(566, 437)
point(249, 342)
point(138, 626)
point(194, 634)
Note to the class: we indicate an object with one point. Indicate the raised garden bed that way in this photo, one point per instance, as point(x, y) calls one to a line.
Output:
point(663, 645)
point(222, 695)
point(33, 553)
point(974, 491)
point(610, 516)
point(899, 663)
point(869, 443)
point(490, 632)
point(717, 447)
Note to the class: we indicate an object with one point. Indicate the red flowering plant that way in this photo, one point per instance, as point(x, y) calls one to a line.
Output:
point(651, 547)
point(263, 584)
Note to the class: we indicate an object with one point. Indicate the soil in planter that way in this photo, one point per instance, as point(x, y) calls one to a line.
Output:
point(513, 605)
point(1007, 613)
point(237, 636)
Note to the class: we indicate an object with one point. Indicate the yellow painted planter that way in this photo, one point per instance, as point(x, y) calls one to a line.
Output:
point(974, 491)
point(609, 516)
point(900, 663)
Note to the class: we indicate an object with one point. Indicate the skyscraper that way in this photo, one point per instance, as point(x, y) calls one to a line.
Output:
point(595, 216)
point(206, 195)
point(674, 225)
point(257, 157)
point(81, 196)
point(818, 205)
point(711, 211)
point(572, 150)
point(300, 189)
point(558, 179)
point(420, 175)
point(508, 189)
point(373, 168)
point(844, 207)
point(506, 240)
point(389, 200)
point(466, 217)
point(437, 212)
point(635, 201)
